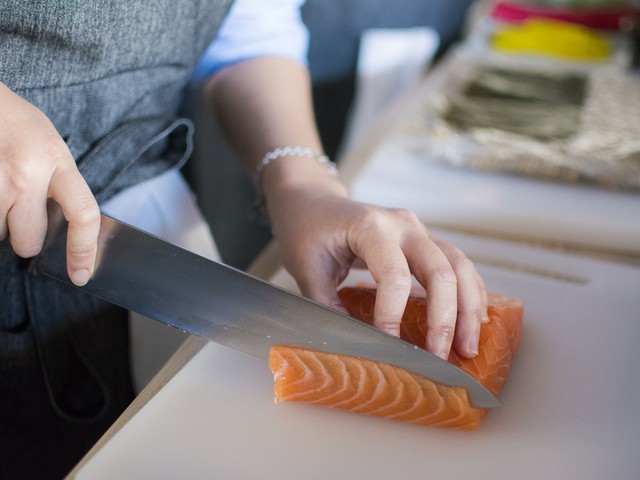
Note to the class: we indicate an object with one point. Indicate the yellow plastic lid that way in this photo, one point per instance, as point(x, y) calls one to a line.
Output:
point(552, 38)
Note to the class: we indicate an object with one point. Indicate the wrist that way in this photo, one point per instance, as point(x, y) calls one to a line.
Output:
point(295, 174)
point(293, 151)
point(288, 173)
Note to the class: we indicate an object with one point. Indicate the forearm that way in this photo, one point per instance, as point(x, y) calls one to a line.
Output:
point(263, 104)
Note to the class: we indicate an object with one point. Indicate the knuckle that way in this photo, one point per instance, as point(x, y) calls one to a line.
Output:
point(86, 214)
point(397, 278)
point(373, 220)
point(24, 165)
point(84, 219)
point(407, 220)
point(463, 263)
point(388, 223)
point(389, 326)
point(406, 216)
point(453, 251)
point(445, 331)
point(444, 274)
point(18, 174)
point(384, 218)
point(80, 253)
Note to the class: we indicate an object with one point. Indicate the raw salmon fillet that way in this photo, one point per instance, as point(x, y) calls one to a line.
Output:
point(365, 386)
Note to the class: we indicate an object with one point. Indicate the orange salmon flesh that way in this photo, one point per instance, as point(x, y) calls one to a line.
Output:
point(374, 388)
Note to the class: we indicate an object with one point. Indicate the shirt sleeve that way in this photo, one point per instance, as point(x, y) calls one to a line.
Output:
point(255, 28)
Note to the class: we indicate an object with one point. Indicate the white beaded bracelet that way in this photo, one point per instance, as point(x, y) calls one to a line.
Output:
point(288, 151)
point(292, 151)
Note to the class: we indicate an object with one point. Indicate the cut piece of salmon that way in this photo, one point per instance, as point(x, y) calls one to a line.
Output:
point(365, 386)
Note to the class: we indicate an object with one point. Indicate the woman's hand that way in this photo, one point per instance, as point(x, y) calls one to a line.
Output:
point(35, 164)
point(265, 103)
point(322, 234)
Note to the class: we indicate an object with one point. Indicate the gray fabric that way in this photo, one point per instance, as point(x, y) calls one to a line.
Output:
point(64, 372)
point(109, 74)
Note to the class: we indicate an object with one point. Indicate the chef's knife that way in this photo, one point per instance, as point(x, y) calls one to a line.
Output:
point(147, 275)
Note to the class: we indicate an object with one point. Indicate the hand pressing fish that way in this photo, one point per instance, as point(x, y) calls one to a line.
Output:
point(364, 386)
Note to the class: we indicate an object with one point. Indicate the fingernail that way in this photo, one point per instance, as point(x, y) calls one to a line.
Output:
point(443, 354)
point(473, 345)
point(80, 277)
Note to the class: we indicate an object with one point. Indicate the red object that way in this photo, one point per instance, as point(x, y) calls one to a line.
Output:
point(605, 19)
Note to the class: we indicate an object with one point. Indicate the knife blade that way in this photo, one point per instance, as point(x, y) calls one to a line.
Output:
point(155, 278)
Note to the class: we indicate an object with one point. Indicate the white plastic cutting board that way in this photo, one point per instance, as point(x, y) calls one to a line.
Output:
point(571, 407)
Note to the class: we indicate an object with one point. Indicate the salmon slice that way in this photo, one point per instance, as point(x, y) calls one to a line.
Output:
point(374, 388)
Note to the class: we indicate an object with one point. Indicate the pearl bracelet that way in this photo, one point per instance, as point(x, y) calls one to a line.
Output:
point(292, 151)
point(288, 151)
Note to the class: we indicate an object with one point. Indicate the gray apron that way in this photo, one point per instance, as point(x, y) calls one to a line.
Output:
point(110, 76)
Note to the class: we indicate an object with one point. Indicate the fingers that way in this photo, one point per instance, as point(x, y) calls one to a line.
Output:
point(395, 246)
point(318, 279)
point(23, 185)
point(434, 271)
point(394, 284)
point(23, 213)
point(27, 222)
point(35, 164)
point(376, 242)
point(456, 297)
point(81, 210)
point(471, 301)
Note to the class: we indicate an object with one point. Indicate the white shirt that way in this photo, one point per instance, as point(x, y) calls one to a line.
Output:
point(255, 28)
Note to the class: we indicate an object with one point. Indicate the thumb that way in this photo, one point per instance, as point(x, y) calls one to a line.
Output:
point(322, 288)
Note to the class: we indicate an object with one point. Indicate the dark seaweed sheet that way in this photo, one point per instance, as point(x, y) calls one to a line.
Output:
point(542, 106)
